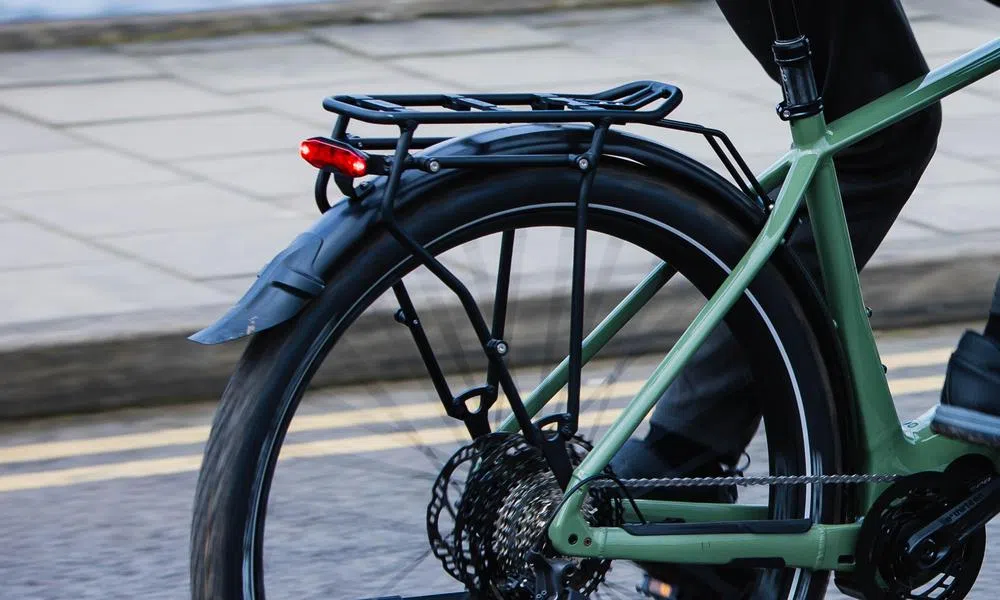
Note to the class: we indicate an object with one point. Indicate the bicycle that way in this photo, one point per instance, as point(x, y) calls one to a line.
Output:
point(894, 510)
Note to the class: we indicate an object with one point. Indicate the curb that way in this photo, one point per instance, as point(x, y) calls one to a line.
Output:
point(141, 360)
point(127, 29)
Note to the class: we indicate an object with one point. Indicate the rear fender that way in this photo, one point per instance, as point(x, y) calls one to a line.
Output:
point(299, 273)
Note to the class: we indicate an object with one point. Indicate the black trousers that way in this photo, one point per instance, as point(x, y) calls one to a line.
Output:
point(861, 50)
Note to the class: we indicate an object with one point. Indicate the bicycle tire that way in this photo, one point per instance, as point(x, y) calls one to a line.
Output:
point(679, 224)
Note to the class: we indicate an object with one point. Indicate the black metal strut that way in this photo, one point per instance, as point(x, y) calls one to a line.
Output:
point(588, 164)
point(500, 312)
point(475, 421)
point(493, 348)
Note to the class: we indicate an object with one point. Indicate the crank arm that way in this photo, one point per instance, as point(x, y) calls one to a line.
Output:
point(931, 542)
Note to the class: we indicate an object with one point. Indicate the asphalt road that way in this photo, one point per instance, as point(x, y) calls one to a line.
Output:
point(99, 507)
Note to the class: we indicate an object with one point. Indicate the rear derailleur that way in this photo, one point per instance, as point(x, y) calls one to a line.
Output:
point(553, 578)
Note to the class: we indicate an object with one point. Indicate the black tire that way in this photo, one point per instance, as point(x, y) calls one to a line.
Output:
point(676, 224)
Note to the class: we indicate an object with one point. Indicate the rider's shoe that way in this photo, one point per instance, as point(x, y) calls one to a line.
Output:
point(970, 400)
point(663, 454)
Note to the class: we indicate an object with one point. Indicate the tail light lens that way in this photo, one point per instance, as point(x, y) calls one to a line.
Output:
point(324, 153)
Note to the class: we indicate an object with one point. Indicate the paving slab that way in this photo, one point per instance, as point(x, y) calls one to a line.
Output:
point(271, 174)
point(233, 250)
point(545, 67)
point(967, 103)
point(305, 102)
point(941, 41)
point(22, 135)
point(69, 66)
point(972, 137)
point(203, 45)
point(86, 290)
point(130, 210)
point(69, 170)
point(947, 167)
point(26, 246)
point(435, 37)
point(268, 67)
point(957, 208)
point(111, 101)
point(201, 136)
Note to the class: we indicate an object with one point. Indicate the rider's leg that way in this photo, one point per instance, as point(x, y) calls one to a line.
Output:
point(861, 50)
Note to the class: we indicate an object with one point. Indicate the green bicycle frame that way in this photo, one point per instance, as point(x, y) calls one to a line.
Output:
point(806, 173)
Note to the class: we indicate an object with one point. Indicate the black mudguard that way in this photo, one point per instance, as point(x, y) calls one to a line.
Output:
point(298, 274)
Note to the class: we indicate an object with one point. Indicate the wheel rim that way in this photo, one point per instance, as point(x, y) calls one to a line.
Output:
point(253, 559)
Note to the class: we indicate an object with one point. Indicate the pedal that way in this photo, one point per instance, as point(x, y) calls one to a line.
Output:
point(656, 589)
point(966, 425)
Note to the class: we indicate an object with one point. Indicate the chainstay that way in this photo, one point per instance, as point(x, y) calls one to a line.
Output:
point(741, 481)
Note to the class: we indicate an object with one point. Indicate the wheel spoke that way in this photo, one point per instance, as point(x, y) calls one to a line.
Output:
point(384, 399)
point(553, 309)
point(400, 575)
point(606, 397)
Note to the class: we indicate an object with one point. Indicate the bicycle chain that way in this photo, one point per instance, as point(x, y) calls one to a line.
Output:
point(743, 481)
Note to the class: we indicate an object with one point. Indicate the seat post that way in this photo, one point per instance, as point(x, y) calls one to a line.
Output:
point(792, 55)
point(785, 18)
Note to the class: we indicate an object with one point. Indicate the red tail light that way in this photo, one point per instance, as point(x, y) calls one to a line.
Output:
point(324, 153)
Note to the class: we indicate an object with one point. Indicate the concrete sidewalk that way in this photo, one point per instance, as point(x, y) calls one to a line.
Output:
point(143, 186)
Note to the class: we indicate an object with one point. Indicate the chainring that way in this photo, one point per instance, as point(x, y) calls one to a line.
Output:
point(506, 496)
point(883, 571)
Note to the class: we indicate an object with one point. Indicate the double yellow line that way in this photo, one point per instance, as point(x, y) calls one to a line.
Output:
point(329, 421)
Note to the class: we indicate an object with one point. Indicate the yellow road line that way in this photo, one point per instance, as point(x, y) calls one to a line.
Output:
point(331, 420)
point(196, 435)
point(921, 358)
point(916, 385)
point(185, 464)
point(331, 447)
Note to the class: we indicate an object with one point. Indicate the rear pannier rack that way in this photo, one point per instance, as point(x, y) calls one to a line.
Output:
point(346, 157)
point(639, 102)
point(623, 104)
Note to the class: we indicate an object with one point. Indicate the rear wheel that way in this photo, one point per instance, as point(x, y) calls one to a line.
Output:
point(381, 436)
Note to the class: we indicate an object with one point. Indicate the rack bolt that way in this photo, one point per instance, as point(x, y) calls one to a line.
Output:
point(502, 348)
point(434, 166)
point(583, 162)
point(786, 113)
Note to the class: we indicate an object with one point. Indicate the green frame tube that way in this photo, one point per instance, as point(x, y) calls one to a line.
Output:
point(806, 174)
